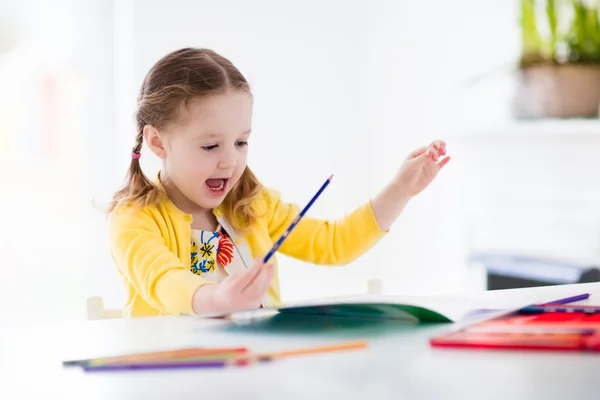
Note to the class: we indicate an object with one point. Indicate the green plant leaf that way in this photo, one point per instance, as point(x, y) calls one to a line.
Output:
point(531, 40)
point(553, 27)
point(560, 31)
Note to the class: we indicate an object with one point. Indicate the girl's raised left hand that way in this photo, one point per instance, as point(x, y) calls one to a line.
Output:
point(420, 168)
point(416, 173)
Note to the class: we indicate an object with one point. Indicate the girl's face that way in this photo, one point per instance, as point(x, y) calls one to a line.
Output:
point(204, 154)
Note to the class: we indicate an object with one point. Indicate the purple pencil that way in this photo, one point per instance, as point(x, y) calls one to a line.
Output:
point(154, 366)
point(568, 300)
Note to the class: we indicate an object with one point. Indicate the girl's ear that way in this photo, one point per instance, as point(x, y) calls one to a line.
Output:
point(154, 141)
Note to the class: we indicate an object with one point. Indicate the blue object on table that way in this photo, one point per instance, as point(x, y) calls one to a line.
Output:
point(554, 309)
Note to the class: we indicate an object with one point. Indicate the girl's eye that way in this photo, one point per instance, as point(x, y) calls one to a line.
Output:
point(209, 148)
point(242, 143)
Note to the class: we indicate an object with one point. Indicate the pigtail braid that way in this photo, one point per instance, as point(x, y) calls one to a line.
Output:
point(138, 188)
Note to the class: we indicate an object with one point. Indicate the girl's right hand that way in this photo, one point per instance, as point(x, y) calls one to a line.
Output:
point(243, 291)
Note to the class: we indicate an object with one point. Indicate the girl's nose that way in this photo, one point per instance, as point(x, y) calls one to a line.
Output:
point(228, 161)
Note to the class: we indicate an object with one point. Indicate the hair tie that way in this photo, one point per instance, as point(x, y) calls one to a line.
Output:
point(135, 156)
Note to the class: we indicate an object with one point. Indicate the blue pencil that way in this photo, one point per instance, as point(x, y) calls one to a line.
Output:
point(295, 221)
point(560, 309)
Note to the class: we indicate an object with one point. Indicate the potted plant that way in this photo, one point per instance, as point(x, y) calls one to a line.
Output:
point(559, 66)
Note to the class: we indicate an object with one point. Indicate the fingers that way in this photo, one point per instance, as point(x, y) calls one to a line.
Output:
point(256, 290)
point(245, 290)
point(433, 154)
point(439, 146)
point(246, 278)
point(417, 153)
point(430, 154)
point(434, 151)
point(443, 162)
point(254, 281)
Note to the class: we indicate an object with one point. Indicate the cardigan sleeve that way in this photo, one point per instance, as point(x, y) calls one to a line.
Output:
point(143, 258)
point(319, 241)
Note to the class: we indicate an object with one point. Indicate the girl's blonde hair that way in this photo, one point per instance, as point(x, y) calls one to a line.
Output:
point(171, 83)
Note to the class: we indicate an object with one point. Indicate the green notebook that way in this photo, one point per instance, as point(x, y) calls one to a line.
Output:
point(416, 309)
point(411, 309)
point(373, 310)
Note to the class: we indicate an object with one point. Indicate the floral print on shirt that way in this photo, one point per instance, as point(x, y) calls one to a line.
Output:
point(213, 247)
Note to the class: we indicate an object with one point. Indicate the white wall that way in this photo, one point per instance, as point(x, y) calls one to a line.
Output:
point(57, 142)
point(346, 87)
point(421, 56)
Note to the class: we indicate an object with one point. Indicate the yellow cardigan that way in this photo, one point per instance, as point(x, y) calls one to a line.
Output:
point(151, 248)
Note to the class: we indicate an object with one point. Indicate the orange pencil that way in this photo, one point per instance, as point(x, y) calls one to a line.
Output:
point(354, 345)
point(159, 355)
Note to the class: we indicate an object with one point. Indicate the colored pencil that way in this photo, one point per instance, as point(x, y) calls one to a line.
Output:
point(237, 360)
point(157, 365)
point(354, 345)
point(567, 300)
point(551, 306)
point(159, 355)
point(295, 221)
point(559, 309)
point(526, 329)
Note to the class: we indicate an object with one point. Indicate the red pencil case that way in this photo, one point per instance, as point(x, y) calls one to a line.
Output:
point(570, 329)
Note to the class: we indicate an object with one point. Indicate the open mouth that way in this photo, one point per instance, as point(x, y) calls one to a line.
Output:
point(217, 186)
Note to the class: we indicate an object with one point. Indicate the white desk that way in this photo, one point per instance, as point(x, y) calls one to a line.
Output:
point(398, 365)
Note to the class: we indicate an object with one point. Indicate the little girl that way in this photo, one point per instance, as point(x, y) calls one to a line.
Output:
point(192, 240)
